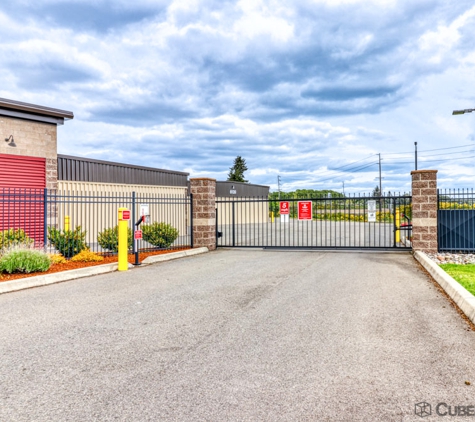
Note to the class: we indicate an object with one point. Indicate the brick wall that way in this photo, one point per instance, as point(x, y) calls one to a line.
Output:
point(424, 210)
point(204, 212)
point(34, 139)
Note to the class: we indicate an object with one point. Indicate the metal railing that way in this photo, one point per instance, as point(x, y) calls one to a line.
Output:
point(456, 220)
point(38, 211)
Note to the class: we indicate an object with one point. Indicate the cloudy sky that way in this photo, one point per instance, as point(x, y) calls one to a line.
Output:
point(311, 90)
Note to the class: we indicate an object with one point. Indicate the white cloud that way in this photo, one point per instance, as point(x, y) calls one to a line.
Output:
point(296, 88)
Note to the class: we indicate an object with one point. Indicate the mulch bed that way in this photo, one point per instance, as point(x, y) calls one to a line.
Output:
point(70, 265)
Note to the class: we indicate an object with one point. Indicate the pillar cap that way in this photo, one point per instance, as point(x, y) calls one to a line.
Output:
point(423, 171)
point(202, 178)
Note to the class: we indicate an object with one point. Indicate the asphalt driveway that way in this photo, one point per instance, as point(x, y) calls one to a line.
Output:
point(237, 335)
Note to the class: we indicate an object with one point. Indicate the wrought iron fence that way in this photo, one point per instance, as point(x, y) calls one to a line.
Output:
point(456, 220)
point(352, 221)
point(49, 217)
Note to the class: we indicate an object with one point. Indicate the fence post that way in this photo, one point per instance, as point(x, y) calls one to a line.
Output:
point(424, 211)
point(45, 214)
point(204, 212)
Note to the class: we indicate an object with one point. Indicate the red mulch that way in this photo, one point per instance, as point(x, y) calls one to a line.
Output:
point(70, 265)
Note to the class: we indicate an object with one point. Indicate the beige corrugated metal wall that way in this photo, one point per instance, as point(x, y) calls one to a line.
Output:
point(93, 206)
point(246, 211)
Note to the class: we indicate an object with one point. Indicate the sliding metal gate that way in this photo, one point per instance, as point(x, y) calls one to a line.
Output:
point(358, 222)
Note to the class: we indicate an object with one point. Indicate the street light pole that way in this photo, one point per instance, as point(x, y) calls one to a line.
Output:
point(467, 110)
point(415, 156)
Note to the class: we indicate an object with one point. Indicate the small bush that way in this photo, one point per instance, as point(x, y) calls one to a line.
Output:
point(24, 261)
point(87, 256)
point(109, 239)
point(161, 235)
point(67, 242)
point(57, 258)
point(12, 237)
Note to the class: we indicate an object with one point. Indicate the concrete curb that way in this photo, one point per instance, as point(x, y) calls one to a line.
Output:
point(175, 255)
point(463, 298)
point(43, 280)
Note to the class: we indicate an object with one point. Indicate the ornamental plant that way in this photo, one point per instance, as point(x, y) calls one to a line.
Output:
point(161, 235)
point(13, 237)
point(57, 258)
point(67, 242)
point(109, 239)
point(87, 256)
point(24, 261)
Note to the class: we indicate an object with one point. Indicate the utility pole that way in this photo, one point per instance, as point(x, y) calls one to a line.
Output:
point(380, 186)
point(415, 154)
point(278, 184)
point(343, 188)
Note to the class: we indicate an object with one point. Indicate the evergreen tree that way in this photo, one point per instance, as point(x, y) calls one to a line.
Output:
point(376, 191)
point(236, 172)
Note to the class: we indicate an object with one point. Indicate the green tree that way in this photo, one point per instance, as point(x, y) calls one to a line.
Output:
point(236, 172)
point(376, 191)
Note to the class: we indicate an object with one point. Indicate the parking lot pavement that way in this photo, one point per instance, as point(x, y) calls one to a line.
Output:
point(237, 335)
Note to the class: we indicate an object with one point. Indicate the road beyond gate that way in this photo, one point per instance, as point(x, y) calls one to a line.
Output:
point(237, 335)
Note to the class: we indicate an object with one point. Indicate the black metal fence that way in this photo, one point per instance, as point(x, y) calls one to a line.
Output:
point(94, 216)
point(456, 220)
point(348, 222)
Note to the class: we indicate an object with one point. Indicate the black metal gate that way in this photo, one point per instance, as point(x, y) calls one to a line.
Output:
point(346, 222)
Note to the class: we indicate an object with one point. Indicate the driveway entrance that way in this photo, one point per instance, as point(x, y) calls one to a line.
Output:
point(237, 335)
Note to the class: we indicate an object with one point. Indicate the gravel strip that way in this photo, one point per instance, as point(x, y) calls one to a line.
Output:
point(452, 258)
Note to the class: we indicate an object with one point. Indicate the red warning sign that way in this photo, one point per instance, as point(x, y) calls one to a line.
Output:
point(305, 210)
point(284, 208)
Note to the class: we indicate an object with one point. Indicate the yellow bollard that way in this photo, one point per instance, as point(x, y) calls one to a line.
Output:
point(272, 216)
point(398, 225)
point(66, 223)
point(124, 217)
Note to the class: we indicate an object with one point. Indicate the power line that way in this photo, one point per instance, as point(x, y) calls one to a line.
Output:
point(428, 150)
point(436, 155)
point(354, 162)
point(430, 161)
point(336, 175)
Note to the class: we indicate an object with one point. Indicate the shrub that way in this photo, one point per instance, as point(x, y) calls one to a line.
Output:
point(24, 261)
point(109, 239)
point(57, 258)
point(87, 256)
point(67, 242)
point(13, 237)
point(161, 235)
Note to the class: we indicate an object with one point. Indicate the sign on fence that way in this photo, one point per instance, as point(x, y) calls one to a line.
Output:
point(284, 210)
point(145, 212)
point(372, 211)
point(305, 210)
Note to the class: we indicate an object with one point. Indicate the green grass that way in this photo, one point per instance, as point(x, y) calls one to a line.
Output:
point(464, 274)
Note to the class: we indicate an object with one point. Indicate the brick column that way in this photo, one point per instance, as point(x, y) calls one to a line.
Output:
point(204, 212)
point(424, 210)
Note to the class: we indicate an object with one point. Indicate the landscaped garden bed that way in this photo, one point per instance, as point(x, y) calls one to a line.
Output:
point(71, 265)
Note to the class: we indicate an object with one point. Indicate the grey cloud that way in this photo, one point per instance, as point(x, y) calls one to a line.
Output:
point(100, 16)
point(47, 75)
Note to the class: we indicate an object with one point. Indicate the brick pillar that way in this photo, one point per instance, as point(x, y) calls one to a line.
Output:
point(424, 210)
point(204, 212)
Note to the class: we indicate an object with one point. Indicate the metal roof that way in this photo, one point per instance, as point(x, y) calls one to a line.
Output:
point(83, 169)
point(239, 190)
point(34, 112)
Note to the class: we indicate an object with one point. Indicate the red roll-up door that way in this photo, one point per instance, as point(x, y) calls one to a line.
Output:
point(22, 183)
